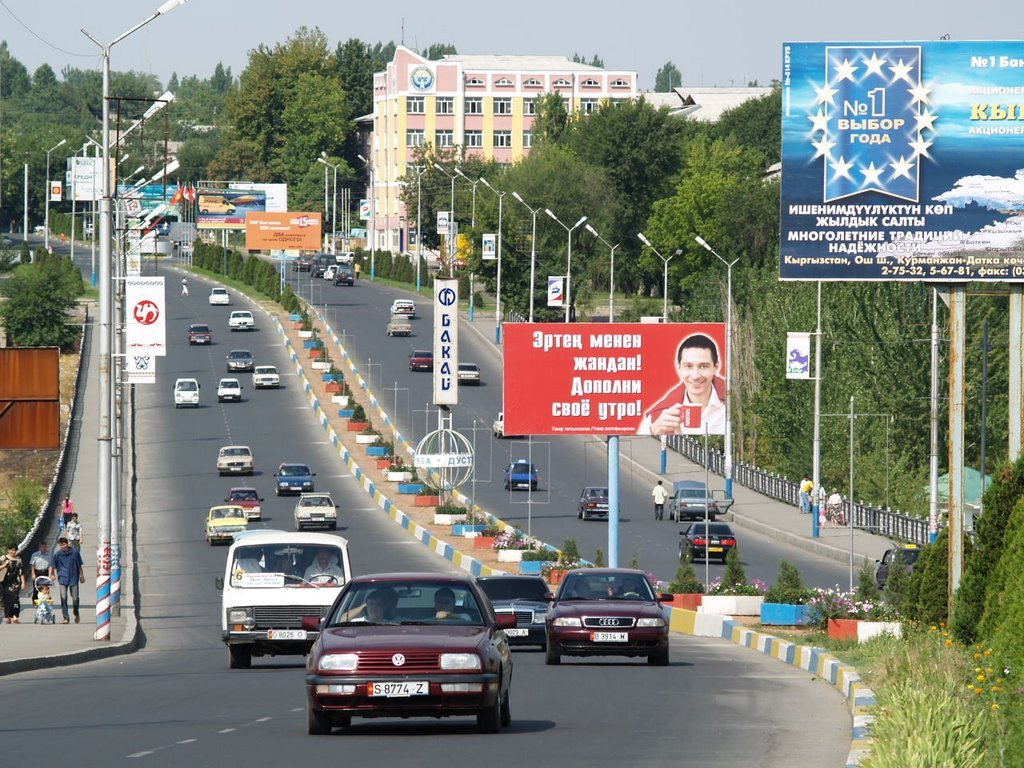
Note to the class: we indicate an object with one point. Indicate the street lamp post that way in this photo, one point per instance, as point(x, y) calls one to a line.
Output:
point(664, 261)
point(103, 506)
point(472, 217)
point(451, 220)
point(729, 363)
point(497, 301)
point(533, 247)
point(568, 258)
point(334, 204)
point(418, 170)
point(373, 212)
point(46, 220)
point(611, 279)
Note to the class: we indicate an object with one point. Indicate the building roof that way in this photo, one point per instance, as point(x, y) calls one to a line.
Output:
point(506, 63)
point(705, 104)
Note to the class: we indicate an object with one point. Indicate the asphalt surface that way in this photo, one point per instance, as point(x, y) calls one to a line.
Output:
point(175, 700)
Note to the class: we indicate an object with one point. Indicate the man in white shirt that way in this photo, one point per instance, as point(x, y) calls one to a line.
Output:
point(325, 564)
point(660, 495)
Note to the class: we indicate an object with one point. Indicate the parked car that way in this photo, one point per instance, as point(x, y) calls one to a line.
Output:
point(421, 360)
point(200, 333)
point(223, 522)
point(593, 502)
point(409, 645)
point(186, 392)
point(344, 274)
point(521, 474)
point(405, 307)
point(330, 272)
point(320, 264)
point(240, 360)
point(526, 597)
point(315, 509)
point(399, 325)
point(293, 478)
point(265, 376)
point(229, 390)
point(714, 542)
point(303, 263)
point(235, 460)
point(241, 320)
point(498, 426)
point(219, 296)
point(689, 499)
point(906, 555)
point(248, 499)
point(345, 257)
point(607, 612)
point(469, 373)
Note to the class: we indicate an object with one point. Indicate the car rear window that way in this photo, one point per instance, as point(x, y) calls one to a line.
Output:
point(514, 589)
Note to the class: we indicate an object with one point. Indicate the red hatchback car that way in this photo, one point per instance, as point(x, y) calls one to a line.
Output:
point(421, 360)
point(409, 645)
point(607, 612)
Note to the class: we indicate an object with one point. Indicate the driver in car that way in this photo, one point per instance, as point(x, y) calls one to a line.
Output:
point(324, 564)
point(445, 608)
point(629, 587)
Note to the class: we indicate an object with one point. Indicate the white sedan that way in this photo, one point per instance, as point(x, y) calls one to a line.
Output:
point(265, 376)
point(220, 296)
point(229, 389)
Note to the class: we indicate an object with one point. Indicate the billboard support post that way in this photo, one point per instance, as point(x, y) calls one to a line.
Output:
point(613, 501)
point(533, 247)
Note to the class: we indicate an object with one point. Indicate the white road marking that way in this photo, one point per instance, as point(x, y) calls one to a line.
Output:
point(187, 741)
point(226, 730)
point(263, 719)
point(141, 754)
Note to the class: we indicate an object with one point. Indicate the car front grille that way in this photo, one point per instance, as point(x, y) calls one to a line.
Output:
point(383, 662)
point(605, 622)
point(285, 616)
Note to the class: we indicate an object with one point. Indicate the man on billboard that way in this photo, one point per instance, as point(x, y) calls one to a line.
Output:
point(701, 391)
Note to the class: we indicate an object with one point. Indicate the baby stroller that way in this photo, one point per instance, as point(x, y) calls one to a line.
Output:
point(44, 601)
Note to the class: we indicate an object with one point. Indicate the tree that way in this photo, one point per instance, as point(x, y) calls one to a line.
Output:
point(438, 51)
point(38, 298)
point(667, 78)
point(756, 123)
point(595, 61)
point(551, 120)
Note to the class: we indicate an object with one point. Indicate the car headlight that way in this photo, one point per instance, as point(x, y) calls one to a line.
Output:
point(460, 661)
point(567, 621)
point(238, 615)
point(338, 662)
point(658, 622)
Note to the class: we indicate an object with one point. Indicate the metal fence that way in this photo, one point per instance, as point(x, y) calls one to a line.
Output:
point(883, 522)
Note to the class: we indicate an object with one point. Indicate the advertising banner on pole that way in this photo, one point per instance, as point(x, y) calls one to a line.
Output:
point(556, 290)
point(798, 355)
point(364, 210)
point(56, 191)
point(614, 378)
point(85, 177)
point(282, 231)
point(446, 342)
point(489, 249)
point(443, 219)
point(902, 161)
point(145, 316)
point(139, 369)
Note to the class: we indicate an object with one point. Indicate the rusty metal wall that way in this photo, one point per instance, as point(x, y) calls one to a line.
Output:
point(30, 398)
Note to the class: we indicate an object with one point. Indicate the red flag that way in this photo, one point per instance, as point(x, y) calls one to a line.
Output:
point(191, 194)
point(178, 196)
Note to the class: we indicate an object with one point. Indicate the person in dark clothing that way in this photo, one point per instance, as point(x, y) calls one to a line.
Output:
point(68, 571)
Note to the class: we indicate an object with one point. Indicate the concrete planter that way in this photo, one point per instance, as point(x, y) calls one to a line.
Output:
point(332, 387)
point(320, 365)
point(356, 426)
point(532, 567)
point(690, 602)
point(341, 400)
point(316, 354)
point(346, 413)
point(331, 376)
point(783, 614)
point(732, 605)
point(378, 450)
point(399, 476)
point(312, 344)
point(427, 501)
point(366, 439)
point(483, 542)
point(440, 519)
point(305, 335)
point(412, 488)
point(469, 531)
point(510, 555)
point(860, 630)
point(382, 463)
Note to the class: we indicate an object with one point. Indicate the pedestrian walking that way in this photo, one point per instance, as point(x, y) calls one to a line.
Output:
point(39, 565)
point(67, 508)
point(806, 487)
point(68, 571)
point(184, 286)
point(12, 584)
point(660, 495)
point(73, 531)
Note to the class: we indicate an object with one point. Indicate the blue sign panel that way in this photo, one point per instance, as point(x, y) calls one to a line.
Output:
point(903, 161)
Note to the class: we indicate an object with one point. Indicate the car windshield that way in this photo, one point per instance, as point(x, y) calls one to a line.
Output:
point(235, 451)
point(716, 529)
point(421, 353)
point(514, 589)
point(283, 564)
point(266, 369)
point(614, 586)
point(293, 470)
point(693, 493)
point(520, 468)
point(412, 601)
point(187, 386)
point(315, 501)
point(229, 383)
point(200, 328)
point(223, 513)
point(244, 496)
point(597, 492)
point(238, 354)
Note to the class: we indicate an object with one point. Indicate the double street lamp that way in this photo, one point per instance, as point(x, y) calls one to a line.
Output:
point(568, 258)
point(46, 222)
point(334, 203)
point(418, 170)
point(665, 261)
point(451, 219)
point(533, 247)
point(611, 278)
point(373, 212)
point(472, 217)
point(497, 302)
point(729, 363)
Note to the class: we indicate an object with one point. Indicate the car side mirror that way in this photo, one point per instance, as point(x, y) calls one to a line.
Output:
point(549, 597)
point(218, 582)
point(312, 474)
point(505, 620)
point(311, 623)
point(665, 597)
point(260, 499)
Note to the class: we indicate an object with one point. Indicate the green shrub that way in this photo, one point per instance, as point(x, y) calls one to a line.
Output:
point(867, 586)
point(599, 558)
point(540, 555)
point(899, 592)
point(450, 508)
point(788, 587)
point(929, 582)
point(570, 554)
point(686, 581)
point(358, 413)
point(735, 574)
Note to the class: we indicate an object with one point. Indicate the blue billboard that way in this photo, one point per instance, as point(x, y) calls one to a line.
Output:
point(903, 161)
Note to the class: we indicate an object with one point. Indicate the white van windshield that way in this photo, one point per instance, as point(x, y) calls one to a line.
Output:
point(289, 565)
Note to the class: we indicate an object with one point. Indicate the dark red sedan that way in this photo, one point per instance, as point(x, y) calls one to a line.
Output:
point(607, 612)
point(421, 360)
point(409, 645)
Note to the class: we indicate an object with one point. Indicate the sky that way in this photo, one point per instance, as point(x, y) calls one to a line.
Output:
point(711, 43)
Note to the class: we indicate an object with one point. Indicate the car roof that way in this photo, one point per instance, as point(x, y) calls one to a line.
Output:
point(609, 571)
point(270, 536)
point(258, 367)
point(689, 484)
point(600, 488)
point(215, 289)
point(293, 464)
point(199, 326)
point(228, 380)
point(511, 577)
point(712, 526)
point(422, 353)
point(240, 352)
point(450, 578)
point(470, 366)
point(241, 488)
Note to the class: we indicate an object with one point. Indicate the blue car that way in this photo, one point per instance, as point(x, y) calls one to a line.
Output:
point(291, 479)
point(521, 474)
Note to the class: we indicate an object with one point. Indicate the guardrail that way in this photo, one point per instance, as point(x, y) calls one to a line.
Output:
point(883, 522)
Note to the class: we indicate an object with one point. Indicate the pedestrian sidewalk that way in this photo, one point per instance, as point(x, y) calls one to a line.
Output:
point(28, 646)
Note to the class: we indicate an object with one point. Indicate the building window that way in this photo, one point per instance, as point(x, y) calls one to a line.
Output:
point(474, 81)
point(414, 105)
point(588, 106)
point(529, 106)
point(590, 83)
point(445, 105)
point(414, 138)
point(503, 106)
point(620, 83)
point(445, 138)
point(503, 138)
point(532, 82)
point(504, 81)
point(474, 139)
point(562, 83)
point(527, 139)
point(474, 106)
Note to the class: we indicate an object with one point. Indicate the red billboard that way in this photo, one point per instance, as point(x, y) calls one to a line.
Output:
point(614, 378)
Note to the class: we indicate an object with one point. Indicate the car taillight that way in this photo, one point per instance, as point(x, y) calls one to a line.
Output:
point(700, 542)
point(729, 542)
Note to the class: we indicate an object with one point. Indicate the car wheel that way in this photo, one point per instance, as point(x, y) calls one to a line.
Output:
point(333, 526)
point(579, 514)
point(659, 659)
point(533, 486)
point(241, 655)
point(507, 486)
point(489, 720)
point(317, 723)
point(506, 710)
point(551, 657)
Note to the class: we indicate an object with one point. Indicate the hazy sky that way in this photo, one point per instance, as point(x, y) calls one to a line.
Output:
point(712, 43)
